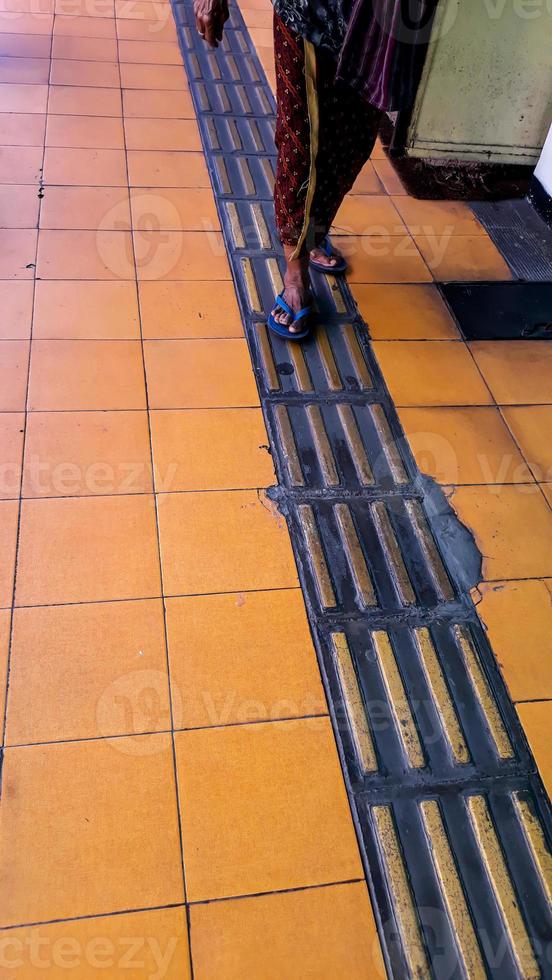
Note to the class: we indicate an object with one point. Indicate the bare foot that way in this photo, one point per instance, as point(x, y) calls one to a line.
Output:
point(319, 255)
point(296, 291)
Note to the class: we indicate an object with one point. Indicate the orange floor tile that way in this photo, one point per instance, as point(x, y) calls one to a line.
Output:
point(228, 541)
point(517, 374)
point(12, 428)
point(420, 373)
point(464, 445)
point(93, 660)
point(86, 374)
point(512, 526)
point(239, 458)
point(114, 843)
point(109, 453)
point(518, 616)
point(200, 374)
point(321, 932)
point(132, 945)
point(536, 719)
point(405, 312)
point(225, 667)
point(243, 835)
point(181, 310)
point(87, 549)
point(79, 310)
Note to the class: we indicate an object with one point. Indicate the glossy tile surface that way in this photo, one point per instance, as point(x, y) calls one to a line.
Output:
point(227, 541)
point(419, 373)
point(238, 456)
point(161, 936)
point(320, 932)
point(252, 793)
point(87, 549)
point(227, 669)
point(166, 721)
point(89, 827)
point(75, 669)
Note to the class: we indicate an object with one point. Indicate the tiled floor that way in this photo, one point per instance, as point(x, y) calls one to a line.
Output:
point(138, 380)
point(158, 754)
point(477, 415)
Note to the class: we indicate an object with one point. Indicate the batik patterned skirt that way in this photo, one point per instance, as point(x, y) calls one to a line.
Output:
point(325, 133)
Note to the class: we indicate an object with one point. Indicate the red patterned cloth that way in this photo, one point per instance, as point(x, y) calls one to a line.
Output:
point(348, 127)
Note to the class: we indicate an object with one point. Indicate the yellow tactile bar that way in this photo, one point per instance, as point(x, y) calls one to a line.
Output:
point(265, 350)
point(355, 444)
point(537, 843)
point(261, 226)
point(429, 548)
point(324, 452)
point(483, 691)
point(391, 548)
point(502, 887)
point(354, 704)
point(391, 452)
point(357, 358)
point(275, 274)
point(337, 295)
point(302, 375)
point(289, 446)
point(245, 175)
point(441, 696)
point(402, 715)
point(237, 233)
point(251, 285)
point(317, 557)
point(451, 890)
point(403, 902)
point(355, 555)
point(327, 359)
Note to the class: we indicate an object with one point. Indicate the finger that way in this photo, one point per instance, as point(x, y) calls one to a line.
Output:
point(199, 25)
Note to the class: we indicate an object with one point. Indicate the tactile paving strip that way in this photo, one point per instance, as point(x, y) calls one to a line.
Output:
point(451, 813)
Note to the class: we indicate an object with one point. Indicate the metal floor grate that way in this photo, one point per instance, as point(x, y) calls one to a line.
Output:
point(521, 236)
point(449, 809)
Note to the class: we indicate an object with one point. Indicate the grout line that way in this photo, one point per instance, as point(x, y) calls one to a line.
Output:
point(533, 701)
point(159, 550)
point(338, 493)
point(94, 915)
point(277, 891)
point(147, 598)
point(164, 731)
point(28, 340)
point(187, 905)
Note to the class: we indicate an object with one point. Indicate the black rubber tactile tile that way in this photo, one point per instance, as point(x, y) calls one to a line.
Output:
point(451, 814)
point(501, 310)
point(521, 235)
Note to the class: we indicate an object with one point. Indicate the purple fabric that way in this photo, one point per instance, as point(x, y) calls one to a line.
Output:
point(384, 49)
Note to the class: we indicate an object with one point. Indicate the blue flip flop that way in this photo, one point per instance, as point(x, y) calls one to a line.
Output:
point(281, 329)
point(331, 270)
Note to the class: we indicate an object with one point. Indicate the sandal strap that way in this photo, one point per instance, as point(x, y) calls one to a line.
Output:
point(280, 301)
point(302, 313)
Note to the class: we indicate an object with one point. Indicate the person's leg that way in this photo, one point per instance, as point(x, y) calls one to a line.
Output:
point(293, 170)
point(324, 135)
point(348, 127)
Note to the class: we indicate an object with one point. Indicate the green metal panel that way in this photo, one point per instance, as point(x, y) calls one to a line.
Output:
point(486, 91)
